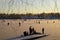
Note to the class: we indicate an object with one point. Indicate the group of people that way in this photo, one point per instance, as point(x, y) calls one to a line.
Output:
point(32, 31)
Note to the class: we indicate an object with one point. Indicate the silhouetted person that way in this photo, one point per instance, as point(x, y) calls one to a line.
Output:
point(25, 33)
point(19, 23)
point(8, 23)
point(30, 30)
point(39, 22)
point(47, 21)
point(53, 21)
point(33, 31)
point(42, 30)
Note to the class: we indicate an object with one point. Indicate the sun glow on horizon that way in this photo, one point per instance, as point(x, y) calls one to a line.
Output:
point(29, 6)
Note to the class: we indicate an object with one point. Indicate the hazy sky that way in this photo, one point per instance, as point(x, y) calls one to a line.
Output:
point(29, 6)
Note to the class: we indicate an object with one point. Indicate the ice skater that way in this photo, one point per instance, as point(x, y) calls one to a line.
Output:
point(30, 30)
point(53, 21)
point(19, 24)
point(8, 23)
point(42, 30)
point(39, 22)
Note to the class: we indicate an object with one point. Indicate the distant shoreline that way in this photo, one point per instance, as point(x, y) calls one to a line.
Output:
point(31, 16)
point(29, 19)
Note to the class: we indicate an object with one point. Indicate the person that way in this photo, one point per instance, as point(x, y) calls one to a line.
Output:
point(25, 33)
point(42, 30)
point(33, 31)
point(19, 23)
point(39, 22)
point(47, 21)
point(30, 30)
point(8, 23)
point(53, 21)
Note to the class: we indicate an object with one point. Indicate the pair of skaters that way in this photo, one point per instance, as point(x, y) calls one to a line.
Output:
point(9, 23)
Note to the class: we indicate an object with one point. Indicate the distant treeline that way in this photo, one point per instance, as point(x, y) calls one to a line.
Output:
point(31, 16)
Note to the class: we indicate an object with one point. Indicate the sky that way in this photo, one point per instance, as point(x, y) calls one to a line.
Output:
point(29, 6)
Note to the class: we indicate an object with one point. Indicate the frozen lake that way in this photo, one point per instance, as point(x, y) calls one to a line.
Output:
point(52, 27)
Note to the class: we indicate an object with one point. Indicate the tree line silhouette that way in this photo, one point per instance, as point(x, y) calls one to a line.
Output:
point(30, 16)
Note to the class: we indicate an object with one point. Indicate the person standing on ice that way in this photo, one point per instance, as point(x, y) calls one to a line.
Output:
point(30, 30)
point(42, 30)
point(19, 23)
point(8, 23)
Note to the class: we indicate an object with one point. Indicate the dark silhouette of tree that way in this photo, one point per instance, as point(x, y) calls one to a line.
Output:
point(30, 16)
